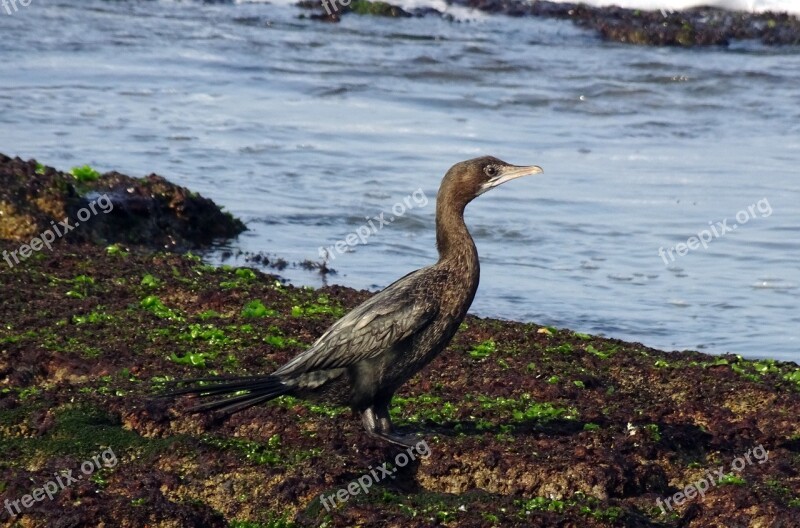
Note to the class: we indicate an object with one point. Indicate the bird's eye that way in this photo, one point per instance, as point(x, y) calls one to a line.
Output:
point(490, 170)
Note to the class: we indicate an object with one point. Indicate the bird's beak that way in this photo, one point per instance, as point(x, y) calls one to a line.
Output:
point(508, 173)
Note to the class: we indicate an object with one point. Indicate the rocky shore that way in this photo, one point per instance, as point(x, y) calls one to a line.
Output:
point(147, 211)
point(525, 425)
point(702, 26)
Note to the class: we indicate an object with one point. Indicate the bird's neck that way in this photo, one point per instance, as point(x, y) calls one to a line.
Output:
point(453, 240)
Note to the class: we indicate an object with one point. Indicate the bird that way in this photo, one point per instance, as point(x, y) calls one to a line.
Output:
point(364, 357)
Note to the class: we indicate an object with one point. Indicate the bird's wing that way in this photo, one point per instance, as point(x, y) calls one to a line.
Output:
point(376, 325)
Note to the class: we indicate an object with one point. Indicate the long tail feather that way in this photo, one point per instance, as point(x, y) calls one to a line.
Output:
point(259, 389)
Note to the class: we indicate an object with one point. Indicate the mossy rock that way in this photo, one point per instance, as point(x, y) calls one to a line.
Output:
point(116, 208)
point(365, 7)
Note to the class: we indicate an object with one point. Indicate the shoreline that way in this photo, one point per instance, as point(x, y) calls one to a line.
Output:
point(699, 26)
point(526, 425)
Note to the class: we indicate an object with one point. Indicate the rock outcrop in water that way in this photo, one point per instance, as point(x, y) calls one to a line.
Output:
point(148, 211)
point(526, 425)
point(704, 26)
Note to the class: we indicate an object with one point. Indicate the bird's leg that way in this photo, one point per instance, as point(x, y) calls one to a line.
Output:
point(378, 425)
point(384, 421)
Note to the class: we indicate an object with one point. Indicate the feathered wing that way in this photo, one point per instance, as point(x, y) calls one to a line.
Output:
point(373, 327)
point(376, 325)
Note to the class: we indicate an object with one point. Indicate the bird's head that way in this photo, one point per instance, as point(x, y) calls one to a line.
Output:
point(469, 179)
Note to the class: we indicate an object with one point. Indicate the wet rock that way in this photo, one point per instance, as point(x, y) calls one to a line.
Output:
point(513, 440)
point(703, 26)
point(333, 10)
point(113, 208)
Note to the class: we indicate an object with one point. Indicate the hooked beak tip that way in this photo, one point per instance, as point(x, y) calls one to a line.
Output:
point(511, 173)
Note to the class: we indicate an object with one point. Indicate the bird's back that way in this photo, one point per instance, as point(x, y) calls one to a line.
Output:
point(392, 335)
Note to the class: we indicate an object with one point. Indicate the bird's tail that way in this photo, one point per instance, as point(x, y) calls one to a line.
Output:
point(237, 394)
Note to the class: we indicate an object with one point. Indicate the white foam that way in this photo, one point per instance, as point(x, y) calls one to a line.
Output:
point(753, 6)
point(458, 12)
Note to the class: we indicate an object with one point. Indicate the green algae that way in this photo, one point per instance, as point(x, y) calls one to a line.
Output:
point(276, 521)
point(483, 350)
point(583, 504)
point(540, 504)
point(96, 316)
point(85, 173)
point(654, 431)
point(731, 480)
point(367, 7)
point(194, 359)
point(82, 285)
point(602, 354)
point(209, 333)
point(316, 408)
point(209, 314)
point(238, 277)
point(321, 306)
point(269, 453)
point(255, 309)
point(505, 411)
point(255, 452)
point(563, 348)
point(116, 250)
point(422, 408)
point(155, 306)
point(524, 408)
point(78, 431)
point(150, 281)
point(58, 343)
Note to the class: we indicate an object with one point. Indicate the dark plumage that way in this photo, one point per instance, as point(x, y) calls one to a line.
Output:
point(369, 353)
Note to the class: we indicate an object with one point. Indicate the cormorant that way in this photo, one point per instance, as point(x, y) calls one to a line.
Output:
point(365, 356)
